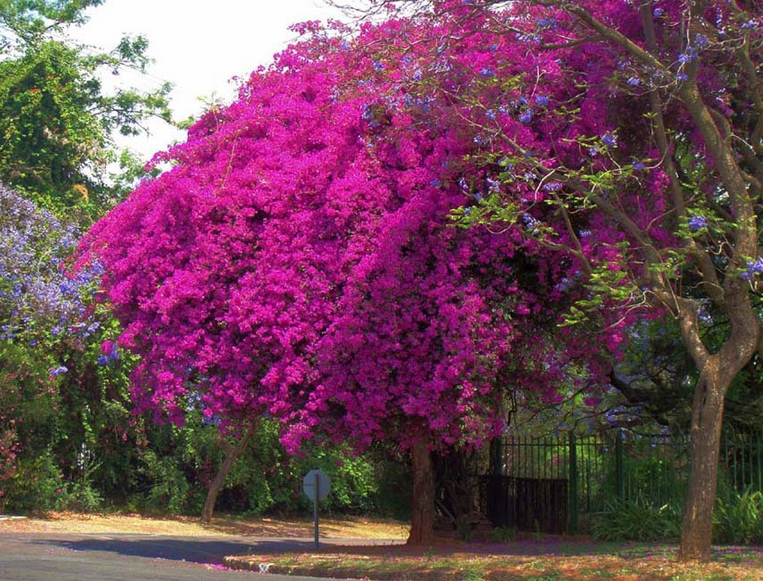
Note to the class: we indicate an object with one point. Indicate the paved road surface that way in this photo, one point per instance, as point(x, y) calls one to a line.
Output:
point(124, 557)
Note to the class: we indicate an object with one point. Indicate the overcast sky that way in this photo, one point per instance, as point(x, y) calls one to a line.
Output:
point(197, 46)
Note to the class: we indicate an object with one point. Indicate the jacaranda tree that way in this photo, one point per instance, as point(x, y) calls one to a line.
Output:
point(645, 121)
point(300, 260)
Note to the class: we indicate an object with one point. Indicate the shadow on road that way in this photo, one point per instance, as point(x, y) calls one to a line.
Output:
point(175, 549)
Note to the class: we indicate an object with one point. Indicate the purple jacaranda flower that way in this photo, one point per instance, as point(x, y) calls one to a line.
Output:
point(696, 223)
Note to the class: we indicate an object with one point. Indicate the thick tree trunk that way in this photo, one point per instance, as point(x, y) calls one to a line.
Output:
point(707, 419)
point(422, 513)
point(232, 454)
point(716, 372)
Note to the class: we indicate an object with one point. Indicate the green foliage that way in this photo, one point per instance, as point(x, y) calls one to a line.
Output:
point(738, 518)
point(658, 376)
point(28, 421)
point(175, 469)
point(637, 520)
point(131, 170)
point(472, 573)
point(36, 486)
point(56, 120)
point(272, 480)
point(68, 440)
point(393, 496)
point(28, 21)
point(100, 438)
point(170, 489)
point(28, 399)
point(79, 496)
point(651, 475)
point(503, 534)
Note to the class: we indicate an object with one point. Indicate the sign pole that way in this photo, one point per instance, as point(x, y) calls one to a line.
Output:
point(316, 486)
point(315, 505)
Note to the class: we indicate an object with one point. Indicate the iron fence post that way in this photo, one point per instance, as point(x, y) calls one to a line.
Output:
point(573, 487)
point(619, 472)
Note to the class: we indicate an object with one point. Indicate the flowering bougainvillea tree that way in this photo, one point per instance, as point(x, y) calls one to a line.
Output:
point(647, 119)
point(301, 260)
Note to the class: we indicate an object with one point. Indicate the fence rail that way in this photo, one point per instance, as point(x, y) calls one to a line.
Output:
point(598, 469)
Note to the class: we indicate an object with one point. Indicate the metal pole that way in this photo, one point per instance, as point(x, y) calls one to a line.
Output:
point(573, 486)
point(619, 469)
point(315, 506)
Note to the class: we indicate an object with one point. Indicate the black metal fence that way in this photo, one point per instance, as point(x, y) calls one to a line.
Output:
point(555, 484)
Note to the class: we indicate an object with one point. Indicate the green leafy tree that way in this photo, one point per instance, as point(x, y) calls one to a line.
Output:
point(56, 119)
point(657, 378)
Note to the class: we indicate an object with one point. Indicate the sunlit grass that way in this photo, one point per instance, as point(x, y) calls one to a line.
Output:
point(221, 525)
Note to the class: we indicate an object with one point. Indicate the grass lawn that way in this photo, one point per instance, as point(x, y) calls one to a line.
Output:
point(222, 525)
point(535, 559)
point(531, 558)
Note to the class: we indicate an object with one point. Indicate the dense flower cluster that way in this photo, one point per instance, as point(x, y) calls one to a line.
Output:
point(388, 225)
point(301, 260)
point(37, 295)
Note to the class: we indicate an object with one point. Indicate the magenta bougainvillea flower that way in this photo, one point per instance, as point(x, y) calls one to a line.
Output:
point(303, 259)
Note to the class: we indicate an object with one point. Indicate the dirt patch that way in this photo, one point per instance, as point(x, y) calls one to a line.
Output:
point(298, 527)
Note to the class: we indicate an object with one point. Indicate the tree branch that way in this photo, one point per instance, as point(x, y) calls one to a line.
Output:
point(607, 32)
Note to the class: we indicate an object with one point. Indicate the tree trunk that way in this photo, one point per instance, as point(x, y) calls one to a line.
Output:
point(422, 513)
point(232, 454)
point(707, 419)
point(716, 372)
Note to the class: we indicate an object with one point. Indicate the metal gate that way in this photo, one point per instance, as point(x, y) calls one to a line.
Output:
point(528, 504)
point(555, 484)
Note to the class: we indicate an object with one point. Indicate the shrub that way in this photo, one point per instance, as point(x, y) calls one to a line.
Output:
point(272, 479)
point(36, 485)
point(739, 518)
point(503, 534)
point(637, 520)
point(169, 490)
point(79, 497)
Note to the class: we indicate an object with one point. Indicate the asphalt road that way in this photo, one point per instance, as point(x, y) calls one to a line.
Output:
point(123, 557)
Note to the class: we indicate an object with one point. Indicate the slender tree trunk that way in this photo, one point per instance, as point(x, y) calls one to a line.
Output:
point(232, 454)
point(422, 513)
point(707, 420)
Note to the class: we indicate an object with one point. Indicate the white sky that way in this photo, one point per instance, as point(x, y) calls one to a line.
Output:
point(198, 46)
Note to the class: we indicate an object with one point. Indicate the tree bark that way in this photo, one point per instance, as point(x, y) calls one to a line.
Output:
point(422, 513)
point(232, 454)
point(707, 415)
point(717, 371)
